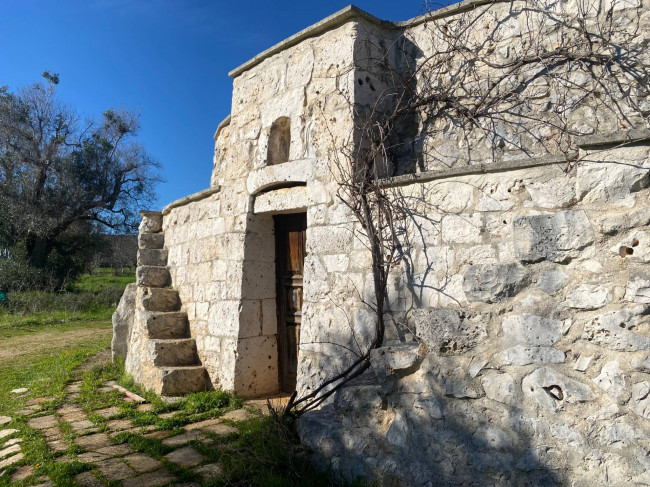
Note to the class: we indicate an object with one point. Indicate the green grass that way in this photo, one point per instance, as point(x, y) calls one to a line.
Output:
point(102, 278)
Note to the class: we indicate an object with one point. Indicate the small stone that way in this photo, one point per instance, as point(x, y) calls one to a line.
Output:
point(523, 355)
point(57, 445)
point(21, 390)
point(9, 450)
point(492, 283)
point(551, 281)
point(582, 363)
point(4, 420)
point(108, 412)
point(43, 422)
point(142, 463)
point(93, 442)
point(237, 415)
point(220, 429)
point(119, 424)
point(201, 424)
point(21, 473)
point(614, 330)
point(152, 479)
point(186, 437)
point(7, 432)
point(587, 297)
point(618, 434)
point(91, 457)
point(641, 399)
point(641, 365)
point(88, 479)
point(82, 426)
point(611, 379)
point(185, 457)
point(528, 329)
point(114, 469)
point(11, 460)
point(499, 387)
point(550, 389)
point(638, 289)
point(115, 450)
point(476, 367)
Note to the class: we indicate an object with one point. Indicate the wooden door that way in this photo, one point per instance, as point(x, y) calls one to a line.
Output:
point(290, 232)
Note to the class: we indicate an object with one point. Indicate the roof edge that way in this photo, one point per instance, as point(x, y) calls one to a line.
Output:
point(353, 12)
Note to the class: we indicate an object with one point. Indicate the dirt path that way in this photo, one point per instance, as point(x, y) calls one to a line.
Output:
point(44, 342)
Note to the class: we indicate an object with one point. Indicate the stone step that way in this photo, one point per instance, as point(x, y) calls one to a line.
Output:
point(178, 381)
point(168, 325)
point(154, 257)
point(152, 276)
point(159, 299)
point(174, 353)
point(151, 240)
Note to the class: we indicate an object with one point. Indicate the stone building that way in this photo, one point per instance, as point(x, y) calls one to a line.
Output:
point(517, 346)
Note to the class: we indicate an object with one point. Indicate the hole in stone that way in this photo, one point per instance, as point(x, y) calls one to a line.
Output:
point(622, 325)
point(624, 251)
point(360, 81)
point(505, 222)
point(555, 392)
point(635, 242)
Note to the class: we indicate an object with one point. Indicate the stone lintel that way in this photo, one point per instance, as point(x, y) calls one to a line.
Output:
point(283, 200)
point(271, 177)
point(614, 138)
point(191, 199)
point(481, 168)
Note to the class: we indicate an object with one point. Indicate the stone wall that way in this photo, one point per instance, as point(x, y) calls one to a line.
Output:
point(527, 357)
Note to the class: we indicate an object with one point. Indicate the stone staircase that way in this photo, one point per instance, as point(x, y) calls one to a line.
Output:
point(173, 364)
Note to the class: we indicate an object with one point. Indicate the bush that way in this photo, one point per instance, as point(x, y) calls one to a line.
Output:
point(41, 301)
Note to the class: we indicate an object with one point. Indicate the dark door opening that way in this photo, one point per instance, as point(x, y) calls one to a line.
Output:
point(290, 233)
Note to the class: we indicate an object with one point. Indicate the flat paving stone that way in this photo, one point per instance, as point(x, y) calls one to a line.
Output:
point(185, 457)
point(142, 462)
point(93, 442)
point(29, 410)
point(4, 420)
point(157, 435)
point(114, 469)
point(115, 450)
point(74, 416)
point(74, 387)
point(91, 457)
point(105, 389)
point(11, 460)
point(21, 473)
point(108, 412)
point(201, 424)
point(151, 479)
point(88, 479)
point(119, 424)
point(44, 484)
point(20, 390)
point(183, 438)
point(7, 432)
point(13, 441)
point(39, 400)
point(237, 415)
point(167, 415)
point(57, 445)
point(51, 433)
point(82, 426)
point(144, 407)
point(209, 471)
point(43, 422)
point(69, 408)
point(221, 429)
point(9, 450)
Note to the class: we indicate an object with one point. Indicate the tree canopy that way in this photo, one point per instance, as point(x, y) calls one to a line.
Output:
point(61, 179)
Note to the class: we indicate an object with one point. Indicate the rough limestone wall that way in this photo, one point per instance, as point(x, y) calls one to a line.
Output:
point(501, 36)
point(528, 362)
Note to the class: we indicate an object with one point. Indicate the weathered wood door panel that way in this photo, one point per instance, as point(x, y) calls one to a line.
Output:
point(290, 232)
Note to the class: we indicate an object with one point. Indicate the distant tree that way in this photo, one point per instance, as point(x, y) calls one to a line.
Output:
point(62, 180)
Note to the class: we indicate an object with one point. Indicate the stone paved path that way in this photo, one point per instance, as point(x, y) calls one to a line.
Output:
point(111, 461)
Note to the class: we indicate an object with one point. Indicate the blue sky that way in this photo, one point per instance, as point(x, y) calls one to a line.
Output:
point(166, 59)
